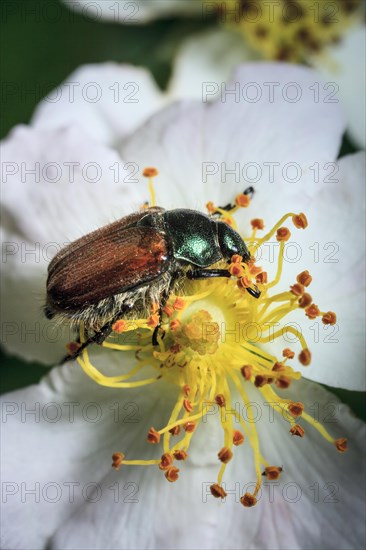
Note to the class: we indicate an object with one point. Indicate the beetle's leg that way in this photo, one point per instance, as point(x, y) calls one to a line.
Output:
point(98, 337)
point(207, 273)
point(164, 298)
point(211, 273)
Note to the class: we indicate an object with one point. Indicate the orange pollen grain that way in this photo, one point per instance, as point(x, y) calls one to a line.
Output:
point(341, 444)
point(297, 430)
point(238, 438)
point(153, 436)
point(236, 259)
point(244, 282)
point(180, 455)
point(225, 455)
point(175, 348)
point(153, 321)
point(296, 409)
point(117, 459)
point(175, 324)
point(236, 270)
point(297, 289)
point(187, 405)
point(305, 357)
point(246, 371)
point(255, 270)
point(242, 200)
point(179, 304)
point(248, 500)
point(220, 400)
point(217, 491)
point(168, 310)
point(288, 353)
point(210, 207)
point(329, 318)
point(278, 367)
point(166, 461)
point(150, 172)
point(72, 347)
point(300, 221)
point(189, 427)
point(172, 474)
point(175, 430)
point(283, 382)
point(305, 300)
point(283, 234)
point(272, 472)
point(262, 278)
point(312, 312)
point(260, 381)
point(119, 326)
point(186, 390)
point(257, 223)
point(304, 278)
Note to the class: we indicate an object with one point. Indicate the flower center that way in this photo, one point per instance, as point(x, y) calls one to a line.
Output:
point(290, 30)
point(211, 344)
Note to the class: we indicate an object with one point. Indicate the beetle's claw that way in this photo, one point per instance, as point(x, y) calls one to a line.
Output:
point(255, 292)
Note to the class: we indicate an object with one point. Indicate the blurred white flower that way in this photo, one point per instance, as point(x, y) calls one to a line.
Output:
point(86, 172)
point(130, 12)
point(329, 36)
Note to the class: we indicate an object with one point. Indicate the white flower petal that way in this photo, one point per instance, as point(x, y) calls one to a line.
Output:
point(75, 189)
point(318, 492)
point(138, 11)
point(57, 448)
point(195, 145)
point(345, 68)
point(208, 57)
point(106, 100)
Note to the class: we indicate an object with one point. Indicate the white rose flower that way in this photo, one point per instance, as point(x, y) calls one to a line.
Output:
point(59, 435)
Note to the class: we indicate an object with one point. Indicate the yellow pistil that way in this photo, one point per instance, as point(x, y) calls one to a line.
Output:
point(214, 338)
point(290, 30)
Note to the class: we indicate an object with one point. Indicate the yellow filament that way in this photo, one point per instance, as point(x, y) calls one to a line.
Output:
point(172, 419)
point(140, 462)
point(109, 381)
point(279, 333)
point(253, 438)
point(318, 427)
point(276, 280)
point(152, 192)
point(227, 427)
point(120, 347)
point(270, 234)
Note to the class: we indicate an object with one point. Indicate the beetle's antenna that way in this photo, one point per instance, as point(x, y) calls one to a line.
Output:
point(151, 173)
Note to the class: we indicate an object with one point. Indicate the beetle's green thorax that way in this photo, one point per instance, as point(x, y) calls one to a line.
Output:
point(193, 236)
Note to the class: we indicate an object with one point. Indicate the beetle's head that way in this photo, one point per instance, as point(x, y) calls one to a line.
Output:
point(231, 242)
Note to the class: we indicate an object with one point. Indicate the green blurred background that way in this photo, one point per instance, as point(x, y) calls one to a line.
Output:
point(41, 43)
